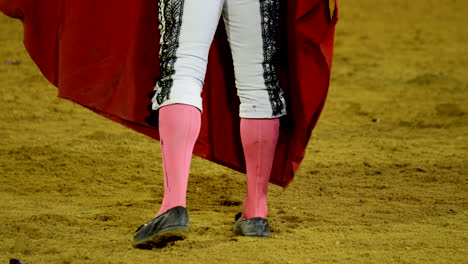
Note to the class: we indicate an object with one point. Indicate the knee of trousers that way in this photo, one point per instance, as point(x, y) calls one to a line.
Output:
point(179, 90)
point(261, 103)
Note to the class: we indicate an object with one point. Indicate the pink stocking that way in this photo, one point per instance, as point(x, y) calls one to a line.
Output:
point(259, 138)
point(179, 126)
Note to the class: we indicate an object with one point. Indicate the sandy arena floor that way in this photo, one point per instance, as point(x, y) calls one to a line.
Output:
point(384, 179)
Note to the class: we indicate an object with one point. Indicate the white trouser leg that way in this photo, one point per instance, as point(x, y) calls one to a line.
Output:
point(251, 27)
point(187, 29)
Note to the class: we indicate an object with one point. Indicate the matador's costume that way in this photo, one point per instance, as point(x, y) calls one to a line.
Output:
point(104, 55)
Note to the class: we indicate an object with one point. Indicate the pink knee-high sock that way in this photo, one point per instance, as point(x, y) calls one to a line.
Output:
point(259, 138)
point(179, 126)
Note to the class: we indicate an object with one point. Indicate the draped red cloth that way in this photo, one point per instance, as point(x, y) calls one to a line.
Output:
point(104, 55)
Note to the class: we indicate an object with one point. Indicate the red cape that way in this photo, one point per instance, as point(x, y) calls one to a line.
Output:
point(104, 55)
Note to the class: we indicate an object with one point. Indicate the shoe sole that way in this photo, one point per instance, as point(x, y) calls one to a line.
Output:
point(252, 234)
point(163, 238)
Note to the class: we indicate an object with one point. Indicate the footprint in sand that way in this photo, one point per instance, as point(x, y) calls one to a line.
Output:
point(449, 110)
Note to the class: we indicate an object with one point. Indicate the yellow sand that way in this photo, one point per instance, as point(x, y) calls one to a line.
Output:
point(384, 179)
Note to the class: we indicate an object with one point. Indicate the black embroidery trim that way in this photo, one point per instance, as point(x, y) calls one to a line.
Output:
point(269, 10)
point(170, 22)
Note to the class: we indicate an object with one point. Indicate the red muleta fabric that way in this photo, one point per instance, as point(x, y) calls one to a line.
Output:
point(104, 55)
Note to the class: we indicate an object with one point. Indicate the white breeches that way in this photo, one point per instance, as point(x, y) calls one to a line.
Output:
point(187, 29)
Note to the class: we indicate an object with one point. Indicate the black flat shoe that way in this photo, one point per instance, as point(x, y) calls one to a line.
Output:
point(168, 227)
point(257, 226)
